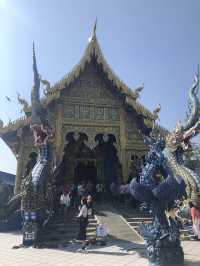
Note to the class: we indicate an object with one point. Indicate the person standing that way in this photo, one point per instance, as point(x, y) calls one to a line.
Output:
point(65, 202)
point(89, 188)
point(74, 196)
point(83, 222)
point(114, 192)
point(195, 214)
point(90, 205)
point(99, 191)
point(80, 191)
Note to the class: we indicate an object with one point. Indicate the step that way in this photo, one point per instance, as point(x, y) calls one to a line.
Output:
point(62, 231)
point(139, 222)
point(59, 237)
point(136, 227)
point(64, 227)
point(58, 232)
point(137, 217)
point(65, 230)
point(129, 219)
point(53, 244)
point(182, 231)
point(91, 235)
point(92, 225)
point(70, 225)
point(92, 221)
point(60, 225)
point(91, 229)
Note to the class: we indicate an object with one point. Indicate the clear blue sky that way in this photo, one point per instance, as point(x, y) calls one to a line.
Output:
point(152, 41)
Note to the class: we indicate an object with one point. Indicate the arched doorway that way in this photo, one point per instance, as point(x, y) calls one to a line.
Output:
point(85, 171)
point(78, 163)
point(108, 162)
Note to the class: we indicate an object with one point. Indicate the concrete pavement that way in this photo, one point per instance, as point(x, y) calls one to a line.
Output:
point(119, 253)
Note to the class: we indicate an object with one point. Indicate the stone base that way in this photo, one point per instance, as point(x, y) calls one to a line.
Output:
point(30, 230)
point(166, 256)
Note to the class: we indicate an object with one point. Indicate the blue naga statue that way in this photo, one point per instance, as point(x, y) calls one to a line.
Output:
point(37, 187)
point(166, 156)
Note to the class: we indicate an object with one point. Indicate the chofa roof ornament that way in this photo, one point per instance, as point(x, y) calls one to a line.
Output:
point(35, 93)
point(137, 92)
point(93, 35)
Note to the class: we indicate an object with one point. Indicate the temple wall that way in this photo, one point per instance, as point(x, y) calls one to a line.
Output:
point(90, 106)
point(134, 142)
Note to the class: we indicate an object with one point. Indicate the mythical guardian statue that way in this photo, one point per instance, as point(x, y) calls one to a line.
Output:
point(47, 85)
point(25, 106)
point(37, 188)
point(166, 156)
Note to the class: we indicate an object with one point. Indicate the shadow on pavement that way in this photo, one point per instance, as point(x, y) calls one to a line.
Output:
point(191, 263)
point(114, 246)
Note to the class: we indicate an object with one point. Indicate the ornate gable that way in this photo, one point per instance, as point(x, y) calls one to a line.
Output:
point(90, 98)
point(92, 54)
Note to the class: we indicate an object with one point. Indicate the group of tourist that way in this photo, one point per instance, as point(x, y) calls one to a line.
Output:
point(72, 194)
point(79, 197)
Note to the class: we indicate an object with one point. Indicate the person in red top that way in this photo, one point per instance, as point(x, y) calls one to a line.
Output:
point(195, 214)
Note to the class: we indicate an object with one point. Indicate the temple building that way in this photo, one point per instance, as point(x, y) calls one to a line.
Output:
point(96, 120)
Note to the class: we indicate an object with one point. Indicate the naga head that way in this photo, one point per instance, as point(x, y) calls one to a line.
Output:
point(179, 138)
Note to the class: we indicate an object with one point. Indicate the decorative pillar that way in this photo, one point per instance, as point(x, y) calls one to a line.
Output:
point(59, 138)
point(122, 138)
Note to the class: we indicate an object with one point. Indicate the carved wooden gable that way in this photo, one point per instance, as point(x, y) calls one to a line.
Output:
point(90, 98)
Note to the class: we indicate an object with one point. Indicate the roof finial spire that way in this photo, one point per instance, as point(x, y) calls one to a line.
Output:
point(34, 58)
point(35, 71)
point(93, 35)
point(94, 28)
point(35, 93)
point(198, 75)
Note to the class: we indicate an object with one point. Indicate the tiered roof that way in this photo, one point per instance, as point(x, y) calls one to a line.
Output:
point(92, 51)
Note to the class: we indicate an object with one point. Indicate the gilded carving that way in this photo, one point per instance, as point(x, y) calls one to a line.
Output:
point(69, 111)
point(90, 112)
point(89, 106)
point(91, 132)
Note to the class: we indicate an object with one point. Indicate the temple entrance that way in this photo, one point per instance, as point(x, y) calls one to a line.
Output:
point(85, 171)
point(107, 160)
point(82, 164)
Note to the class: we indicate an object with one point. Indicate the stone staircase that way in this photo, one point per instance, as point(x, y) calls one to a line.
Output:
point(136, 218)
point(135, 222)
point(144, 218)
point(187, 233)
point(60, 233)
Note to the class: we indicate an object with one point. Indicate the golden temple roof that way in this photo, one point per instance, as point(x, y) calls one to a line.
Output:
point(92, 50)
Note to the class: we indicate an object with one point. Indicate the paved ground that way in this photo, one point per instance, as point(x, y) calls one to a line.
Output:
point(117, 253)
